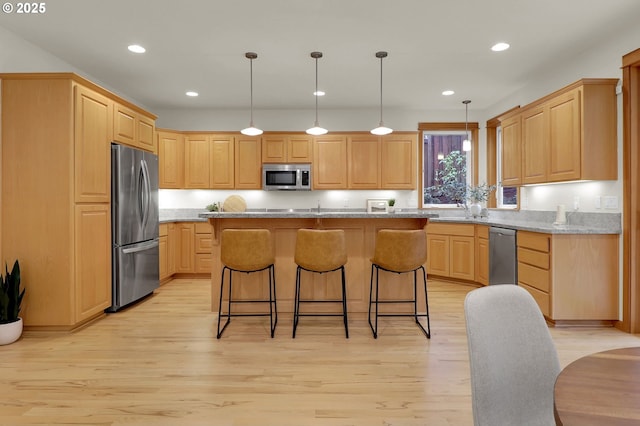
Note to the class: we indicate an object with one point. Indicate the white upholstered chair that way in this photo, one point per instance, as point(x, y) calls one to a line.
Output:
point(514, 363)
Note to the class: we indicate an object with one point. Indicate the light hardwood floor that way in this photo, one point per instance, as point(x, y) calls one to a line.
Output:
point(159, 363)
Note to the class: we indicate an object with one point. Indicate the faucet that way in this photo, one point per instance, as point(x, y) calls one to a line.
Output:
point(318, 206)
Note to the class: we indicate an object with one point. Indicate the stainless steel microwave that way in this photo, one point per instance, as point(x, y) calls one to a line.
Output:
point(286, 177)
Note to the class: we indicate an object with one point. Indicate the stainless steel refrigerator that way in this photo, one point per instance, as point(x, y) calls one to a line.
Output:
point(134, 225)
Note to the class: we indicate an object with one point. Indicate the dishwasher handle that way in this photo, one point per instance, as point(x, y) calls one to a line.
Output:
point(502, 231)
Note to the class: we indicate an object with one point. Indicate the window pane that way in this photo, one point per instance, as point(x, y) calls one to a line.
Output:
point(445, 168)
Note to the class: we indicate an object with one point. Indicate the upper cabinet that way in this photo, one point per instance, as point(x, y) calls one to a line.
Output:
point(287, 148)
point(568, 135)
point(133, 128)
point(398, 153)
point(363, 158)
point(329, 162)
point(248, 162)
point(171, 159)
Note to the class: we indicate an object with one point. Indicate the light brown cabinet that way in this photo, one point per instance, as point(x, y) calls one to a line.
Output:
point(330, 162)
point(565, 136)
point(571, 277)
point(56, 194)
point(185, 248)
point(287, 148)
point(451, 250)
point(482, 254)
point(133, 129)
point(398, 163)
point(248, 163)
point(363, 161)
point(197, 161)
point(171, 160)
point(511, 151)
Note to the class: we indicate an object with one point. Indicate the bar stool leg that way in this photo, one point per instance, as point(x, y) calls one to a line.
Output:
point(220, 331)
point(296, 303)
point(374, 330)
point(426, 302)
point(344, 304)
point(273, 306)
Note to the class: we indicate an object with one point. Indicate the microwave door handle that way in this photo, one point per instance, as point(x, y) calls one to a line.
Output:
point(298, 182)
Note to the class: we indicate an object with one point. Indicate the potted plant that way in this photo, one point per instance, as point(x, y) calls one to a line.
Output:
point(392, 203)
point(476, 195)
point(10, 301)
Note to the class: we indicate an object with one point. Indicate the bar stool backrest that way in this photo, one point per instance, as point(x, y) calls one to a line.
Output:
point(246, 249)
point(320, 250)
point(400, 250)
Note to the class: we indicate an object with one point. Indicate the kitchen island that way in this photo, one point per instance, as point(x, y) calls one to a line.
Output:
point(360, 228)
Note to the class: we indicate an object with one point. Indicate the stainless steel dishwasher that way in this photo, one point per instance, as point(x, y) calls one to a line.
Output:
point(503, 262)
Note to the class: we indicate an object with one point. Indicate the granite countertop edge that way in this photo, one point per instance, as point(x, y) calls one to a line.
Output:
point(547, 228)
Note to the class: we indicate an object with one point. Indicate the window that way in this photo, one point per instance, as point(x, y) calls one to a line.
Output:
point(446, 166)
point(507, 197)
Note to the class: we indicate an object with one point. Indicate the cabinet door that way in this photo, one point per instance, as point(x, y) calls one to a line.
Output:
point(248, 163)
point(92, 260)
point(461, 257)
point(564, 137)
point(330, 162)
point(222, 162)
point(92, 143)
point(482, 259)
point(164, 256)
point(185, 248)
point(125, 125)
point(363, 154)
point(511, 152)
point(146, 129)
point(197, 160)
point(534, 145)
point(398, 161)
point(299, 149)
point(274, 149)
point(172, 247)
point(438, 255)
point(171, 160)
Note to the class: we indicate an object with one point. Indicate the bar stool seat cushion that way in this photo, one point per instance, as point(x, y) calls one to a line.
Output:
point(400, 250)
point(246, 249)
point(320, 250)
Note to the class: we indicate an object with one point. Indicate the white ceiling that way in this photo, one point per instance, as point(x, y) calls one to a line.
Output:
point(433, 45)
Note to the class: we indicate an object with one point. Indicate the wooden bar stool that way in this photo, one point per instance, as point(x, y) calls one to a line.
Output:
point(320, 251)
point(247, 250)
point(399, 251)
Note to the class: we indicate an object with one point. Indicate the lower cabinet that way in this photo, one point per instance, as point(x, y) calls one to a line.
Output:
point(482, 254)
point(451, 250)
point(185, 248)
point(571, 277)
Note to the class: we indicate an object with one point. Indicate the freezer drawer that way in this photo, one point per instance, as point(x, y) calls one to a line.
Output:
point(136, 272)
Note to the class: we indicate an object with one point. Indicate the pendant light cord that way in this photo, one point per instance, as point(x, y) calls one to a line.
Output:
point(381, 89)
point(251, 88)
point(316, 94)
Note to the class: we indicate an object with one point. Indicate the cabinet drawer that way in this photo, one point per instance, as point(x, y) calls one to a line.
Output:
point(203, 263)
point(534, 258)
point(203, 243)
point(534, 277)
point(482, 231)
point(541, 298)
point(203, 228)
point(164, 230)
point(466, 230)
point(534, 241)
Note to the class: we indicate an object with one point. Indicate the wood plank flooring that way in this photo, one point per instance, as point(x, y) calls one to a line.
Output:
point(159, 363)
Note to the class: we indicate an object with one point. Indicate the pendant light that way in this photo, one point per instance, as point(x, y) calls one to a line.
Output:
point(466, 143)
point(251, 130)
point(381, 129)
point(316, 130)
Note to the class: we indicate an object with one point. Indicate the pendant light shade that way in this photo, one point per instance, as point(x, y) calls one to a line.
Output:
point(466, 143)
point(251, 130)
point(316, 130)
point(381, 129)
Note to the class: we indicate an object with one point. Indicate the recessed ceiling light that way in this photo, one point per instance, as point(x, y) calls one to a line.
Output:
point(192, 94)
point(499, 47)
point(448, 92)
point(136, 48)
point(319, 93)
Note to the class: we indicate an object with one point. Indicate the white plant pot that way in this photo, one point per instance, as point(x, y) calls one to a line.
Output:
point(475, 209)
point(10, 332)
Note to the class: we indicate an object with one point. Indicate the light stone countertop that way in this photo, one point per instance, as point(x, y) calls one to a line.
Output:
point(535, 221)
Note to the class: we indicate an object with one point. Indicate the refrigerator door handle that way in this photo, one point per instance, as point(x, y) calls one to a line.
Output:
point(144, 193)
point(141, 247)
